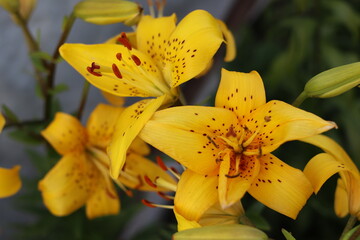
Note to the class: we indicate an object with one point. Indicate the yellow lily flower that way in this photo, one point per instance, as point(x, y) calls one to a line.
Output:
point(10, 182)
point(166, 55)
point(81, 177)
point(335, 160)
point(227, 148)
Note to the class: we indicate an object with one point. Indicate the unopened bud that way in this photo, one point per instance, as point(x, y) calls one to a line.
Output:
point(26, 7)
point(334, 81)
point(108, 11)
point(224, 232)
point(12, 6)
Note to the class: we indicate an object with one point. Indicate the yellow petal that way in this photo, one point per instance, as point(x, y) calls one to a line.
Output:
point(320, 168)
point(130, 123)
point(10, 181)
point(354, 194)
point(140, 147)
point(65, 133)
point(103, 201)
point(113, 68)
point(2, 122)
point(152, 36)
point(191, 47)
point(281, 187)
point(216, 215)
point(240, 92)
point(183, 133)
point(330, 146)
point(101, 124)
point(137, 167)
point(232, 188)
point(67, 186)
point(183, 223)
point(195, 194)
point(229, 40)
point(341, 203)
point(278, 122)
point(113, 99)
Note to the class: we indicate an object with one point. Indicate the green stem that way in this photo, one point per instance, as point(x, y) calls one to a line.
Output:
point(349, 225)
point(84, 95)
point(23, 124)
point(355, 235)
point(298, 101)
point(52, 66)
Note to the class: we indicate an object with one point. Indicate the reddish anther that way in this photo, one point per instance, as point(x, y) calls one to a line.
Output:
point(174, 170)
point(136, 60)
point(161, 194)
point(124, 41)
point(149, 182)
point(129, 193)
point(147, 203)
point(91, 70)
point(161, 163)
point(119, 56)
point(110, 194)
point(94, 66)
point(116, 71)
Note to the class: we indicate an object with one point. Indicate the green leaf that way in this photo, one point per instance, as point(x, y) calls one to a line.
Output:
point(62, 87)
point(287, 235)
point(10, 115)
point(24, 137)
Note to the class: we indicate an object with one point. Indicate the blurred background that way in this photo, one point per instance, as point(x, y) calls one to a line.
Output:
point(287, 42)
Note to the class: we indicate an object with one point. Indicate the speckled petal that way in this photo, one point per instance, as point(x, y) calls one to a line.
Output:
point(10, 181)
point(116, 69)
point(66, 134)
point(281, 187)
point(240, 92)
point(67, 186)
point(278, 122)
point(185, 134)
point(101, 124)
point(103, 201)
point(191, 47)
point(130, 123)
point(152, 35)
point(195, 194)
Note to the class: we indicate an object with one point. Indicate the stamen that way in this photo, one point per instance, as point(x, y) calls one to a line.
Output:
point(250, 139)
point(153, 205)
point(151, 8)
point(174, 172)
point(162, 183)
point(212, 141)
point(164, 196)
point(149, 182)
point(232, 176)
point(92, 68)
point(116, 71)
point(119, 56)
point(136, 60)
point(160, 4)
point(161, 163)
point(124, 41)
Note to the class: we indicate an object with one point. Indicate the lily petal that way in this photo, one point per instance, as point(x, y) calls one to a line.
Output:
point(113, 99)
point(140, 147)
point(174, 130)
point(240, 92)
point(288, 187)
point(330, 146)
point(354, 194)
point(116, 69)
point(103, 201)
point(229, 40)
point(231, 188)
point(183, 223)
point(10, 181)
point(66, 134)
point(130, 123)
point(101, 124)
point(2, 122)
point(152, 35)
point(278, 122)
point(67, 186)
point(195, 194)
point(320, 168)
point(191, 47)
point(341, 199)
point(137, 167)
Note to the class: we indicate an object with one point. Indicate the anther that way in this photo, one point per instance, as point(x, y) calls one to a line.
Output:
point(124, 41)
point(149, 182)
point(116, 71)
point(136, 60)
point(232, 176)
point(148, 203)
point(164, 196)
point(161, 163)
point(119, 56)
point(92, 68)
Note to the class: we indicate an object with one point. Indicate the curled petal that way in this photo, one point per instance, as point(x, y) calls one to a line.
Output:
point(341, 203)
point(10, 181)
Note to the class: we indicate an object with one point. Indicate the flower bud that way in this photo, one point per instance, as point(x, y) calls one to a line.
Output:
point(108, 11)
point(12, 6)
point(334, 81)
point(225, 232)
point(26, 8)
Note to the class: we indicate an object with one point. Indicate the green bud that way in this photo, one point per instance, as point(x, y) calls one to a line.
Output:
point(12, 6)
point(108, 11)
point(334, 81)
point(26, 8)
point(224, 232)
